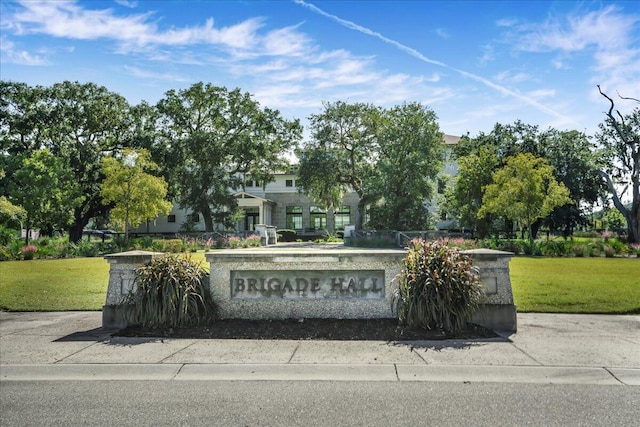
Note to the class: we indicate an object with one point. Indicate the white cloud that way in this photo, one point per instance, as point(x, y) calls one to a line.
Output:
point(608, 35)
point(506, 22)
point(560, 64)
point(153, 75)
point(67, 19)
point(488, 54)
point(127, 3)
point(513, 77)
point(13, 55)
point(442, 33)
point(606, 29)
point(542, 93)
point(433, 78)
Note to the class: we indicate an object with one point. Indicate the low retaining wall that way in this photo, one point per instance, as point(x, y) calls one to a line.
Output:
point(339, 284)
point(335, 283)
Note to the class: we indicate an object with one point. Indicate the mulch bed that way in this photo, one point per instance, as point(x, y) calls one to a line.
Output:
point(307, 329)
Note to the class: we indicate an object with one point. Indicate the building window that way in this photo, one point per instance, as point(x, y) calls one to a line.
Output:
point(318, 218)
point(171, 218)
point(342, 217)
point(195, 217)
point(294, 217)
point(288, 183)
point(248, 183)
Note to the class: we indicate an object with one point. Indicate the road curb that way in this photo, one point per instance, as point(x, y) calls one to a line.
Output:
point(322, 372)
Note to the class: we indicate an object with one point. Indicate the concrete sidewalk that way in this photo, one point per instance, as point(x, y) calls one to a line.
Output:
point(548, 348)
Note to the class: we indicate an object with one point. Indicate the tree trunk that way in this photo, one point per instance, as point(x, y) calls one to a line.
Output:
point(535, 227)
point(632, 216)
point(28, 228)
point(208, 219)
point(75, 232)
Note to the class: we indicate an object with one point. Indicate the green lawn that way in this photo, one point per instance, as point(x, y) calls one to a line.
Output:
point(562, 285)
point(576, 285)
point(54, 285)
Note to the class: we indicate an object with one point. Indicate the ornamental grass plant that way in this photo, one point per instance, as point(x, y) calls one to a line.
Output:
point(438, 287)
point(171, 291)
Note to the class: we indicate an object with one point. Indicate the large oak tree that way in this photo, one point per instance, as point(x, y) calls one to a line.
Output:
point(79, 123)
point(213, 137)
point(619, 138)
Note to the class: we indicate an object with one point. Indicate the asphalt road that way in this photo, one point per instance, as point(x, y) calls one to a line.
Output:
point(314, 403)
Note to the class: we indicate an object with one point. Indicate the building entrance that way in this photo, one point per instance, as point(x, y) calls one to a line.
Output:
point(251, 218)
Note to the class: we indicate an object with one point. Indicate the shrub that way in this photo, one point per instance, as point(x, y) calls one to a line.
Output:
point(15, 249)
point(5, 255)
point(595, 249)
point(7, 235)
point(510, 246)
point(553, 249)
point(578, 250)
point(617, 246)
point(609, 251)
point(438, 287)
point(635, 249)
point(65, 250)
point(286, 235)
point(171, 291)
point(220, 243)
point(234, 242)
point(29, 251)
point(173, 246)
point(108, 248)
point(251, 241)
point(87, 249)
point(145, 242)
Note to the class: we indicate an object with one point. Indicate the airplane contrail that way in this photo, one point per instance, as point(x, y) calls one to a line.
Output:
point(418, 55)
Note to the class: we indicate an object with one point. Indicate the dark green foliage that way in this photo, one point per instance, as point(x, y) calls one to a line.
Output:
point(438, 287)
point(171, 291)
point(554, 248)
point(286, 235)
point(208, 138)
point(87, 249)
point(169, 245)
point(7, 235)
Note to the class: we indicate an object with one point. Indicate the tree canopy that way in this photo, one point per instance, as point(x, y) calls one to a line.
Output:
point(340, 155)
point(410, 156)
point(45, 190)
point(619, 138)
point(571, 154)
point(214, 137)
point(463, 199)
point(524, 190)
point(78, 123)
point(136, 195)
point(389, 157)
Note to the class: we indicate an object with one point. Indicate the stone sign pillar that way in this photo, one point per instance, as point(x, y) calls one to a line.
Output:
point(497, 311)
point(122, 271)
point(299, 283)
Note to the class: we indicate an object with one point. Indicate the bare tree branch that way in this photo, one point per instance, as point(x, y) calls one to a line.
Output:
point(614, 122)
point(627, 98)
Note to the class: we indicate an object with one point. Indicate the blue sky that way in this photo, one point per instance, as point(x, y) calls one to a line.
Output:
point(474, 63)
